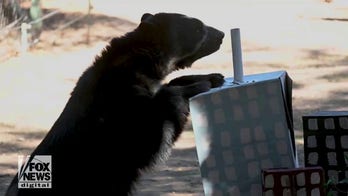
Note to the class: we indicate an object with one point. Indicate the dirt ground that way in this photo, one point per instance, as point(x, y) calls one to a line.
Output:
point(308, 39)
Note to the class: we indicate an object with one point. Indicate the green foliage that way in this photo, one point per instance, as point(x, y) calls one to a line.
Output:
point(331, 184)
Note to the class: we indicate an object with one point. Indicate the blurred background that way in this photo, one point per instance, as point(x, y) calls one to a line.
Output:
point(45, 45)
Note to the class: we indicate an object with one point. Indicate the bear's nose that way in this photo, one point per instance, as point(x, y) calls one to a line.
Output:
point(221, 34)
point(216, 33)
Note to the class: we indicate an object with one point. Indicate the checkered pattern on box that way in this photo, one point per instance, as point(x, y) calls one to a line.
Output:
point(326, 142)
point(298, 181)
point(238, 131)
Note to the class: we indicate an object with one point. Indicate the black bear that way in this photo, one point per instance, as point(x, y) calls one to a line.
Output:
point(120, 118)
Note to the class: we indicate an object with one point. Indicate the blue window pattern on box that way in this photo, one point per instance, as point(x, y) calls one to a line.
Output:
point(238, 132)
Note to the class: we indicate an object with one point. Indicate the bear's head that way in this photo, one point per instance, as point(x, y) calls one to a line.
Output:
point(182, 39)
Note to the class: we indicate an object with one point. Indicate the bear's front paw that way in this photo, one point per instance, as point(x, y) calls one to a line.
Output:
point(196, 88)
point(216, 79)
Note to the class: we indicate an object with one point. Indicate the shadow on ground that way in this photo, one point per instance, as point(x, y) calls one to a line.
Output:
point(90, 29)
point(15, 141)
point(57, 36)
point(175, 176)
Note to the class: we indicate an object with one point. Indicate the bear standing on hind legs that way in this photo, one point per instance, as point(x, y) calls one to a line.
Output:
point(120, 119)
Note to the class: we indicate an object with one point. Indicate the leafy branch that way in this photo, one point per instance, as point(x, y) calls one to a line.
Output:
point(340, 186)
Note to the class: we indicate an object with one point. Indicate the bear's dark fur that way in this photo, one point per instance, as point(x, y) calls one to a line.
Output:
point(120, 119)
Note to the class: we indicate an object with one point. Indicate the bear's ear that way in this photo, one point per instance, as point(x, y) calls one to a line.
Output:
point(146, 22)
point(146, 17)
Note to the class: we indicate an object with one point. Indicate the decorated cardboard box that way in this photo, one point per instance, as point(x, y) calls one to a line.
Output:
point(307, 181)
point(242, 127)
point(326, 144)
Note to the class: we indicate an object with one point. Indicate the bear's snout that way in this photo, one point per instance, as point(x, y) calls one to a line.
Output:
point(220, 34)
point(214, 38)
point(216, 33)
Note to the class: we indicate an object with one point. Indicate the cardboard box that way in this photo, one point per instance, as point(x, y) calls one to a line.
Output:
point(326, 143)
point(241, 129)
point(299, 181)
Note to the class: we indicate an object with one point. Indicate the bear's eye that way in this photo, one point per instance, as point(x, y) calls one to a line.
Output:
point(198, 30)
